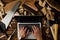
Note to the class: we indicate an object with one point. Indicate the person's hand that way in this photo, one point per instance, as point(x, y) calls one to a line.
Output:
point(37, 33)
point(23, 32)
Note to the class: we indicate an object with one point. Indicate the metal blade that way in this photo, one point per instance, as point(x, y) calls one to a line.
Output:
point(10, 15)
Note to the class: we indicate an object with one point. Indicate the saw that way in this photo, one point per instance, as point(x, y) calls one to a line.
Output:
point(10, 14)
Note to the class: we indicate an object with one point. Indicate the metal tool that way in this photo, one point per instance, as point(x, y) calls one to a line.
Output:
point(7, 19)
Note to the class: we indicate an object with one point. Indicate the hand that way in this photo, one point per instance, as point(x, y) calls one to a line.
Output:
point(37, 33)
point(23, 32)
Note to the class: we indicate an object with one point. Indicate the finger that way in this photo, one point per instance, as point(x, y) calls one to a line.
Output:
point(32, 32)
point(27, 32)
point(22, 28)
point(25, 29)
point(33, 28)
point(37, 28)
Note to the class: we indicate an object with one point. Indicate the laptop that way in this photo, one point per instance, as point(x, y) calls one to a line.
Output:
point(28, 21)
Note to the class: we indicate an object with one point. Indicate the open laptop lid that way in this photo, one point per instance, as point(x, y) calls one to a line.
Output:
point(29, 19)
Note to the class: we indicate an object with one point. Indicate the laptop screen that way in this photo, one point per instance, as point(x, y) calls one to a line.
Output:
point(29, 18)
